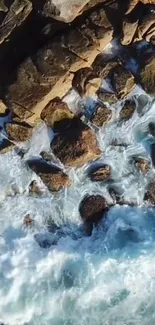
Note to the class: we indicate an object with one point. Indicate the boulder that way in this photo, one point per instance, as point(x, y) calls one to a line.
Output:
point(143, 165)
point(92, 208)
point(102, 66)
point(129, 29)
point(122, 80)
point(107, 97)
point(128, 109)
point(20, 111)
point(3, 109)
point(46, 156)
point(150, 193)
point(34, 188)
point(82, 78)
point(52, 176)
point(19, 131)
point(57, 115)
point(147, 75)
point(76, 146)
point(5, 146)
point(28, 221)
point(100, 174)
point(101, 116)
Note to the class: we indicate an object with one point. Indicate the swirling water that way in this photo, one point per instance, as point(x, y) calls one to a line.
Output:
point(105, 279)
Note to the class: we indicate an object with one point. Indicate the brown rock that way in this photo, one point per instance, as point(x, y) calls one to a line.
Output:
point(53, 177)
point(129, 29)
point(101, 22)
point(5, 146)
point(122, 80)
point(100, 174)
point(76, 146)
point(93, 208)
point(3, 109)
point(19, 131)
point(81, 78)
point(147, 75)
point(28, 221)
point(150, 193)
point(128, 109)
point(104, 96)
point(142, 165)
point(102, 116)
point(20, 111)
point(34, 188)
point(103, 66)
point(46, 156)
point(145, 25)
point(56, 114)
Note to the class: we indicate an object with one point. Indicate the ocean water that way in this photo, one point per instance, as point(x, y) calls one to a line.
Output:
point(105, 279)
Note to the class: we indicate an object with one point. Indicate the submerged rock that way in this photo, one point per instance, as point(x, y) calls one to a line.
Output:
point(19, 131)
point(142, 165)
point(100, 174)
point(56, 114)
point(76, 146)
point(52, 176)
point(129, 29)
point(102, 116)
point(150, 193)
point(151, 127)
point(28, 221)
point(92, 209)
point(34, 188)
point(128, 109)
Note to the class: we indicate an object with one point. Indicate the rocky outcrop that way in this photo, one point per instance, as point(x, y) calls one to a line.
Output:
point(102, 116)
point(100, 174)
point(76, 146)
point(57, 115)
point(19, 131)
point(52, 176)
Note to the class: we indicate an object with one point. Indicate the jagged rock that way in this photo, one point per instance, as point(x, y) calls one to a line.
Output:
point(146, 26)
point(147, 75)
point(150, 193)
point(100, 174)
point(19, 131)
point(56, 114)
point(34, 188)
point(101, 116)
point(81, 79)
point(152, 128)
point(142, 164)
point(20, 111)
point(5, 146)
point(28, 221)
point(3, 109)
point(122, 81)
point(93, 208)
point(128, 109)
point(107, 97)
point(76, 146)
point(52, 176)
point(129, 29)
point(103, 67)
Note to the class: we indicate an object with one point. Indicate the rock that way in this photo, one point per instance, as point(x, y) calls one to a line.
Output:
point(103, 66)
point(92, 86)
point(20, 111)
point(101, 116)
point(100, 174)
point(122, 81)
point(19, 131)
point(57, 115)
point(129, 29)
point(81, 78)
point(151, 127)
point(142, 165)
point(46, 156)
point(133, 3)
point(93, 208)
point(104, 96)
point(76, 146)
point(145, 25)
point(3, 109)
point(5, 146)
point(147, 75)
point(153, 154)
point(52, 176)
point(128, 109)
point(150, 193)
point(28, 221)
point(34, 188)
point(142, 103)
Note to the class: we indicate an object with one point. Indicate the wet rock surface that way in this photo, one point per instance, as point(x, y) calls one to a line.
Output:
point(19, 131)
point(102, 116)
point(34, 188)
point(100, 174)
point(128, 109)
point(76, 146)
point(147, 74)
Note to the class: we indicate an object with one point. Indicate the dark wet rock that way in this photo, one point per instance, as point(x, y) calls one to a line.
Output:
point(104, 96)
point(103, 66)
point(81, 78)
point(152, 128)
point(93, 208)
point(43, 242)
point(150, 193)
point(122, 80)
point(34, 188)
point(57, 115)
point(143, 165)
point(28, 221)
point(129, 29)
point(76, 146)
point(5, 146)
point(102, 116)
point(147, 75)
point(153, 153)
point(128, 109)
point(3, 109)
point(100, 174)
point(19, 131)
point(52, 176)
